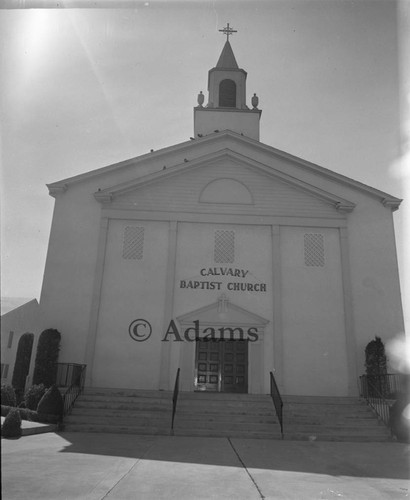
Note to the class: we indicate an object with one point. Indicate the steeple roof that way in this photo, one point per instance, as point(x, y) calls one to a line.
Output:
point(227, 59)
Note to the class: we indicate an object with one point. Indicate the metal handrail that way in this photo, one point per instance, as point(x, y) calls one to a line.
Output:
point(375, 399)
point(277, 401)
point(389, 385)
point(175, 398)
point(67, 373)
point(75, 389)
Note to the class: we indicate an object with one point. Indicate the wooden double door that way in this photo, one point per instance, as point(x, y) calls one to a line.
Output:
point(221, 365)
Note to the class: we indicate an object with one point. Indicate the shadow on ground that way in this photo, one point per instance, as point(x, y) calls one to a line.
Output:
point(382, 460)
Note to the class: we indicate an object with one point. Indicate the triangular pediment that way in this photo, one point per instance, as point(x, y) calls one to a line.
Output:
point(223, 313)
point(196, 150)
point(225, 182)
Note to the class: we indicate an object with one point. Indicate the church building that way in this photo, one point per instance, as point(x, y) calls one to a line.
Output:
point(224, 257)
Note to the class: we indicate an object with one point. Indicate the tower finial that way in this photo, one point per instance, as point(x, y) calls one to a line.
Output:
point(228, 31)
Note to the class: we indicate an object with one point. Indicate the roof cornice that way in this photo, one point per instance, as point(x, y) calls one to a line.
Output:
point(57, 188)
point(385, 198)
point(107, 195)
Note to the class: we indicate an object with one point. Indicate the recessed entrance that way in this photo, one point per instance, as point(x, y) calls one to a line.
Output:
point(221, 365)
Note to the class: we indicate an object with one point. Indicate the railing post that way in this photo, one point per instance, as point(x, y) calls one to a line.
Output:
point(277, 401)
point(175, 398)
point(75, 389)
point(375, 398)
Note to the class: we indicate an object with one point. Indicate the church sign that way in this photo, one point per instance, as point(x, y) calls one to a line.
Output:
point(233, 286)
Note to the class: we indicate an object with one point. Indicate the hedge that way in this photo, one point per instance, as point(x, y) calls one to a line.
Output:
point(11, 427)
point(8, 395)
point(22, 364)
point(52, 402)
point(30, 415)
point(45, 369)
point(33, 396)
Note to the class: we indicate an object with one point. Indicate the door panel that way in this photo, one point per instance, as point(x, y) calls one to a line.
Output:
point(222, 365)
point(234, 366)
point(207, 365)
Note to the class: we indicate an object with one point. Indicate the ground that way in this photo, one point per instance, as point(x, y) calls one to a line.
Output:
point(116, 466)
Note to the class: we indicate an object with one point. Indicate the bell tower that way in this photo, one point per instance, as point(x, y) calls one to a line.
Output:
point(226, 108)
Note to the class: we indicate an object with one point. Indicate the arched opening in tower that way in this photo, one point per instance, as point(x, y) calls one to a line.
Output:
point(227, 94)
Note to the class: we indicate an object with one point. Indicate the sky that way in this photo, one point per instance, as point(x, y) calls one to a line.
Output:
point(84, 87)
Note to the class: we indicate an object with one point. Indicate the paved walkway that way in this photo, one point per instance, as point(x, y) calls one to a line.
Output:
point(115, 466)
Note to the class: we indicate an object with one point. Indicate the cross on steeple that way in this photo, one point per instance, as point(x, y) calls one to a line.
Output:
point(227, 31)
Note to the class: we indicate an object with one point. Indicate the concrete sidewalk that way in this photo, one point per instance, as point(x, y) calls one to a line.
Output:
point(116, 466)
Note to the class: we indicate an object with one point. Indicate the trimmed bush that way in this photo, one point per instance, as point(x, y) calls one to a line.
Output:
point(12, 424)
point(31, 416)
point(51, 403)
point(376, 360)
point(22, 364)
point(8, 395)
point(376, 368)
point(33, 395)
point(24, 413)
point(45, 369)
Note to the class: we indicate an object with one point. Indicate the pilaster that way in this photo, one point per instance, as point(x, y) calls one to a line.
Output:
point(96, 300)
point(351, 344)
point(164, 377)
point(277, 308)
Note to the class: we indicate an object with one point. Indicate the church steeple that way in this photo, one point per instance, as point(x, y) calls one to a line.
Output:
point(227, 58)
point(226, 108)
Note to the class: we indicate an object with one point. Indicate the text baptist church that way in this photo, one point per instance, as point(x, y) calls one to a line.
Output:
point(217, 285)
point(221, 232)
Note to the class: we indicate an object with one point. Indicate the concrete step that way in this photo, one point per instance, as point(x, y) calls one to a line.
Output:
point(354, 429)
point(247, 426)
point(295, 436)
point(270, 434)
point(325, 400)
point(224, 415)
point(117, 429)
point(107, 405)
point(136, 393)
point(221, 418)
point(123, 421)
point(113, 412)
point(221, 398)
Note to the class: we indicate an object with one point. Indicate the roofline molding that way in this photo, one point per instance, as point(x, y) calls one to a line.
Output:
point(107, 195)
point(385, 198)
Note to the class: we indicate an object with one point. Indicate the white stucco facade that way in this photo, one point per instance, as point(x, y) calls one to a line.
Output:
point(320, 310)
point(215, 233)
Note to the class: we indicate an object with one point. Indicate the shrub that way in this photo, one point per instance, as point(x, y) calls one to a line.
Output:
point(45, 369)
point(31, 415)
point(376, 368)
point(376, 361)
point(8, 395)
point(12, 424)
point(22, 364)
point(52, 402)
point(24, 413)
point(33, 395)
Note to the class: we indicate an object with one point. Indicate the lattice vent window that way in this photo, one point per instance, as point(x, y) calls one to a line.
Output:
point(133, 247)
point(314, 250)
point(224, 249)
